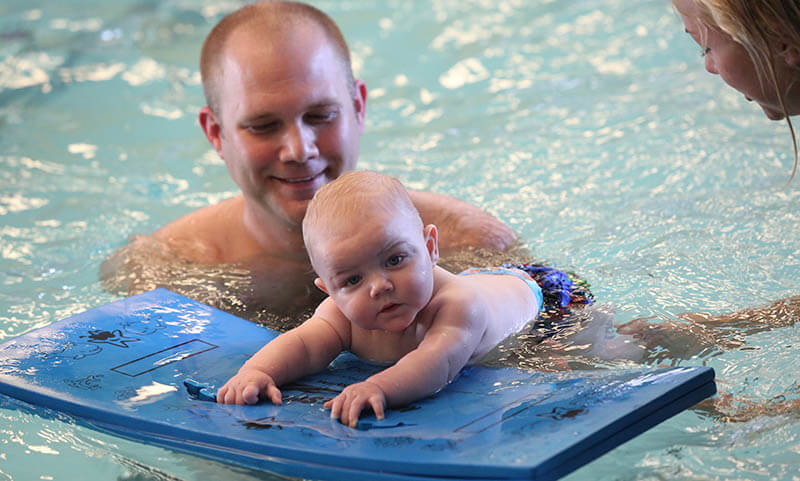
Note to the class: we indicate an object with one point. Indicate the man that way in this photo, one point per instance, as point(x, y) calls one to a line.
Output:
point(286, 115)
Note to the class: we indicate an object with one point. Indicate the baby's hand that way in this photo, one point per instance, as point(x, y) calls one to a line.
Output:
point(349, 403)
point(247, 387)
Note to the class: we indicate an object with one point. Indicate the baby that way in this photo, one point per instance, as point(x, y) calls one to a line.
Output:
point(388, 303)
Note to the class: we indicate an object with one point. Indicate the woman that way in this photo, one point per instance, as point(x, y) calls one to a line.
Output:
point(754, 45)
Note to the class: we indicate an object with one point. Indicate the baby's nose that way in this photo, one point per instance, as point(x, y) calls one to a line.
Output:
point(380, 285)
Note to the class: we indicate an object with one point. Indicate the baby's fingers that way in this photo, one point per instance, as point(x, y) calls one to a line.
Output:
point(358, 404)
point(274, 394)
point(221, 394)
point(351, 414)
point(250, 393)
point(335, 405)
point(229, 395)
point(377, 405)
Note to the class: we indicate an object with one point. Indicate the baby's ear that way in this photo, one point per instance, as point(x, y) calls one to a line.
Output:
point(318, 282)
point(432, 242)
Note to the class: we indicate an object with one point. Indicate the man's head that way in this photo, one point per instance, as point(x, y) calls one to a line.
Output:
point(266, 16)
point(370, 250)
point(284, 111)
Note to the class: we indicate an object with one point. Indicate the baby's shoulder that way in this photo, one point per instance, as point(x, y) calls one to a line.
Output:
point(458, 295)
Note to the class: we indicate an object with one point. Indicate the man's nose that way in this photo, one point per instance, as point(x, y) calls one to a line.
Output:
point(379, 285)
point(299, 144)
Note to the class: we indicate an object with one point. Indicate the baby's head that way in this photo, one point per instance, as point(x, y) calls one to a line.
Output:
point(351, 203)
point(367, 244)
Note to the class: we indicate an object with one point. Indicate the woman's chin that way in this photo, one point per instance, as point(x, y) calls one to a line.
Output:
point(772, 114)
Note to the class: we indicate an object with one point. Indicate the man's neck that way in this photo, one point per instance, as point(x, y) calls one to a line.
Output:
point(276, 237)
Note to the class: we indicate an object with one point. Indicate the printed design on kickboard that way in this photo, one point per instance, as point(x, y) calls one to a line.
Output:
point(125, 393)
point(50, 350)
point(114, 338)
point(143, 326)
point(90, 383)
point(131, 331)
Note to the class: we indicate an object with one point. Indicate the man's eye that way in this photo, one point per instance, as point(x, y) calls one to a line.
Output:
point(321, 117)
point(394, 260)
point(352, 280)
point(705, 51)
point(263, 128)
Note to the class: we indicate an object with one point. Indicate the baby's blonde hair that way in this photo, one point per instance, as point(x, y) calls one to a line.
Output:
point(355, 194)
point(758, 26)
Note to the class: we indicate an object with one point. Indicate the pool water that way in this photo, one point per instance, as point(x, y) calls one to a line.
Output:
point(589, 126)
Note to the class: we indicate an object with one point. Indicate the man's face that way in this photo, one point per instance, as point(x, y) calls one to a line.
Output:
point(288, 123)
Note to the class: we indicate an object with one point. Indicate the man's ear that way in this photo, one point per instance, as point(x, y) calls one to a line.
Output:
point(321, 285)
point(212, 128)
point(432, 242)
point(360, 104)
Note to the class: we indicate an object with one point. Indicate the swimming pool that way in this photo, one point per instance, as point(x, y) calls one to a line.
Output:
point(588, 126)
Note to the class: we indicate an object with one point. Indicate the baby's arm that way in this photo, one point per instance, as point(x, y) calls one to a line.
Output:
point(453, 336)
point(305, 349)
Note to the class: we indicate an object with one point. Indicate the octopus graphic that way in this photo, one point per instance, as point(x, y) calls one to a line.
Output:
point(114, 338)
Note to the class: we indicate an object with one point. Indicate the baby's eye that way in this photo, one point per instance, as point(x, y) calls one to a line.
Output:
point(394, 260)
point(352, 280)
point(705, 51)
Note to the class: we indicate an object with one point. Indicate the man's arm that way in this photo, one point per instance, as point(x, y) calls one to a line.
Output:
point(175, 251)
point(139, 266)
point(701, 333)
point(781, 313)
point(462, 225)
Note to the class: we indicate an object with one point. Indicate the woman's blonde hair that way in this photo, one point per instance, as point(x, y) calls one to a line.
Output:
point(759, 26)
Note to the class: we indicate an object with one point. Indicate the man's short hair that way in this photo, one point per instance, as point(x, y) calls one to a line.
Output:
point(269, 17)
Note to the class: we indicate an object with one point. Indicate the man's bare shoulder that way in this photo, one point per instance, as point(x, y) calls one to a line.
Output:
point(206, 235)
point(462, 225)
point(149, 261)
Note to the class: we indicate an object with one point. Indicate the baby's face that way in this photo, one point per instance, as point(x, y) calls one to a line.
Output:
point(378, 269)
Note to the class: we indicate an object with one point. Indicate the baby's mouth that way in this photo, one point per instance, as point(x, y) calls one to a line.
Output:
point(389, 308)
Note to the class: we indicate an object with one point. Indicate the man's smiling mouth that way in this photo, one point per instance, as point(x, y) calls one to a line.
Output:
point(298, 180)
point(302, 179)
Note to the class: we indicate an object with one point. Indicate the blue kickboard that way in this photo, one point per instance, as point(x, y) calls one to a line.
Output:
point(122, 367)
